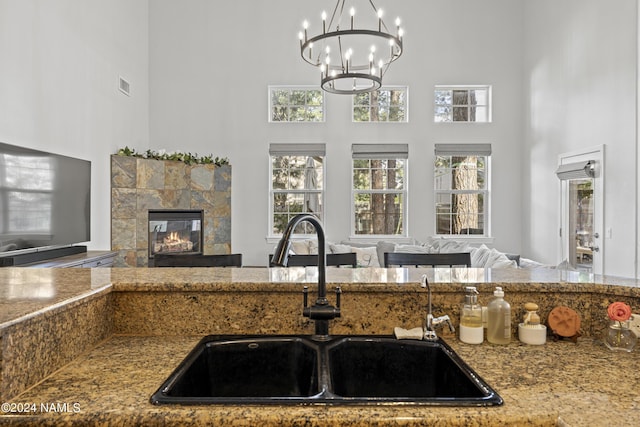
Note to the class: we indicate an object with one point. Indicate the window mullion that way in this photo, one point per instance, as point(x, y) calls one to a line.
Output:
point(455, 215)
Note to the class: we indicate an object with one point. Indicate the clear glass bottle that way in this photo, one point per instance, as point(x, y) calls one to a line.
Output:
point(619, 336)
point(471, 331)
point(499, 319)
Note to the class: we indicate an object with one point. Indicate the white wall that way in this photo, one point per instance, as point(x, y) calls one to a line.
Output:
point(211, 62)
point(580, 92)
point(60, 64)
point(563, 74)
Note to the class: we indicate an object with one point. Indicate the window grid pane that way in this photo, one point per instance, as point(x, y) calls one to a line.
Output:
point(378, 213)
point(379, 196)
point(461, 104)
point(296, 187)
point(383, 105)
point(295, 104)
point(460, 194)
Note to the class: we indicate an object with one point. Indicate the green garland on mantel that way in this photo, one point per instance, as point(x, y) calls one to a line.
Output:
point(177, 156)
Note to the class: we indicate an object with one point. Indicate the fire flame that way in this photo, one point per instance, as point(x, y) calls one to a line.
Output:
point(173, 241)
point(174, 237)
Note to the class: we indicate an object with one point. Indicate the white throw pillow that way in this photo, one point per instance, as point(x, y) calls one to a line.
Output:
point(499, 260)
point(483, 257)
point(365, 257)
point(313, 247)
point(300, 247)
point(307, 247)
point(451, 246)
point(337, 248)
point(529, 263)
point(479, 256)
point(413, 249)
point(448, 246)
point(382, 247)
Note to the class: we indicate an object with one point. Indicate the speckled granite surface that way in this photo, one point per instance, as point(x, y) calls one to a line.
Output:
point(50, 311)
point(194, 301)
point(39, 346)
point(29, 292)
point(48, 317)
point(112, 384)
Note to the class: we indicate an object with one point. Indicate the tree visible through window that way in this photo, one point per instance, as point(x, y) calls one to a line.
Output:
point(296, 186)
point(462, 104)
point(383, 105)
point(379, 191)
point(461, 191)
point(295, 104)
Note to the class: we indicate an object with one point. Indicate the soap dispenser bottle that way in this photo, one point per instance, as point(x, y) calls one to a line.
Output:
point(471, 330)
point(530, 331)
point(499, 319)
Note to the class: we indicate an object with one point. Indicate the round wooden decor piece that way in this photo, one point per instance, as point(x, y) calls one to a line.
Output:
point(564, 321)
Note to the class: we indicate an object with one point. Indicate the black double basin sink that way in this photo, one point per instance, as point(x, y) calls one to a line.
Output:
point(295, 369)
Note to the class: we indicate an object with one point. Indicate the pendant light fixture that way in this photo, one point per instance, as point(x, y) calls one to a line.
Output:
point(352, 50)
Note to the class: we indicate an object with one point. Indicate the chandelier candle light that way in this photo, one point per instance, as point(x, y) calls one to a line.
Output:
point(351, 58)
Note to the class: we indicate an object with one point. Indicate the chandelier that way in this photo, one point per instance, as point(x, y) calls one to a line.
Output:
point(352, 53)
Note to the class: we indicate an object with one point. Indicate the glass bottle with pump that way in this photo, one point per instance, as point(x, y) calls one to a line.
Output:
point(499, 319)
point(471, 331)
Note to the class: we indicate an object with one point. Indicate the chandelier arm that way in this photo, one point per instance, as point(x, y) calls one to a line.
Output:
point(375, 9)
point(340, 49)
point(335, 9)
point(337, 78)
point(384, 69)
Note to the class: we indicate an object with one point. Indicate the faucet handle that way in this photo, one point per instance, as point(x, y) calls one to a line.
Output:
point(305, 296)
point(338, 295)
point(435, 322)
point(438, 321)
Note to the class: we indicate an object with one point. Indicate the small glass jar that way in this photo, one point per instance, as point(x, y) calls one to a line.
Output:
point(619, 336)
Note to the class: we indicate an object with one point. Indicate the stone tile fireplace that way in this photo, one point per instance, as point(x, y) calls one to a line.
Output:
point(139, 186)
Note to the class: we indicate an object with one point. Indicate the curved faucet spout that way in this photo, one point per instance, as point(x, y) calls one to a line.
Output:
point(321, 312)
point(281, 255)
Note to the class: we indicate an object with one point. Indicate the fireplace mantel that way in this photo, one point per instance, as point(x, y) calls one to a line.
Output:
point(139, 185)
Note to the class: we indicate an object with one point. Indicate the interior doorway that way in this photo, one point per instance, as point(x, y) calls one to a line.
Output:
point(582, 244)
point(582, 210)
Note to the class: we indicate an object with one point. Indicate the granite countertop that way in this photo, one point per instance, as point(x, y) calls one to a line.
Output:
point(540, 385)
point(110, 383)
point(28, 292)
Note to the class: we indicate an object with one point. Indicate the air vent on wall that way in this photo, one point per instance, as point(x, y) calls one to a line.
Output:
point(124, 86)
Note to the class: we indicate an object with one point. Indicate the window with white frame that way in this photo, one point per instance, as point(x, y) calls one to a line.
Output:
point(297, 185)
point(461, 184)
point(379, 189)
point(296, 104)
point(462, 104)
point(388, 104)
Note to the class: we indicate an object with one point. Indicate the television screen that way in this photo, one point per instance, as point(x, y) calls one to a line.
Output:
point(45, 199)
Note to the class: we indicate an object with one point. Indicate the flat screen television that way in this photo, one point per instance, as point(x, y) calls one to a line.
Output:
point(45, 200)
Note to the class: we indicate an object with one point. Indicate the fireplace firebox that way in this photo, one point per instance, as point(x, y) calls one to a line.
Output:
point(175, 232)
